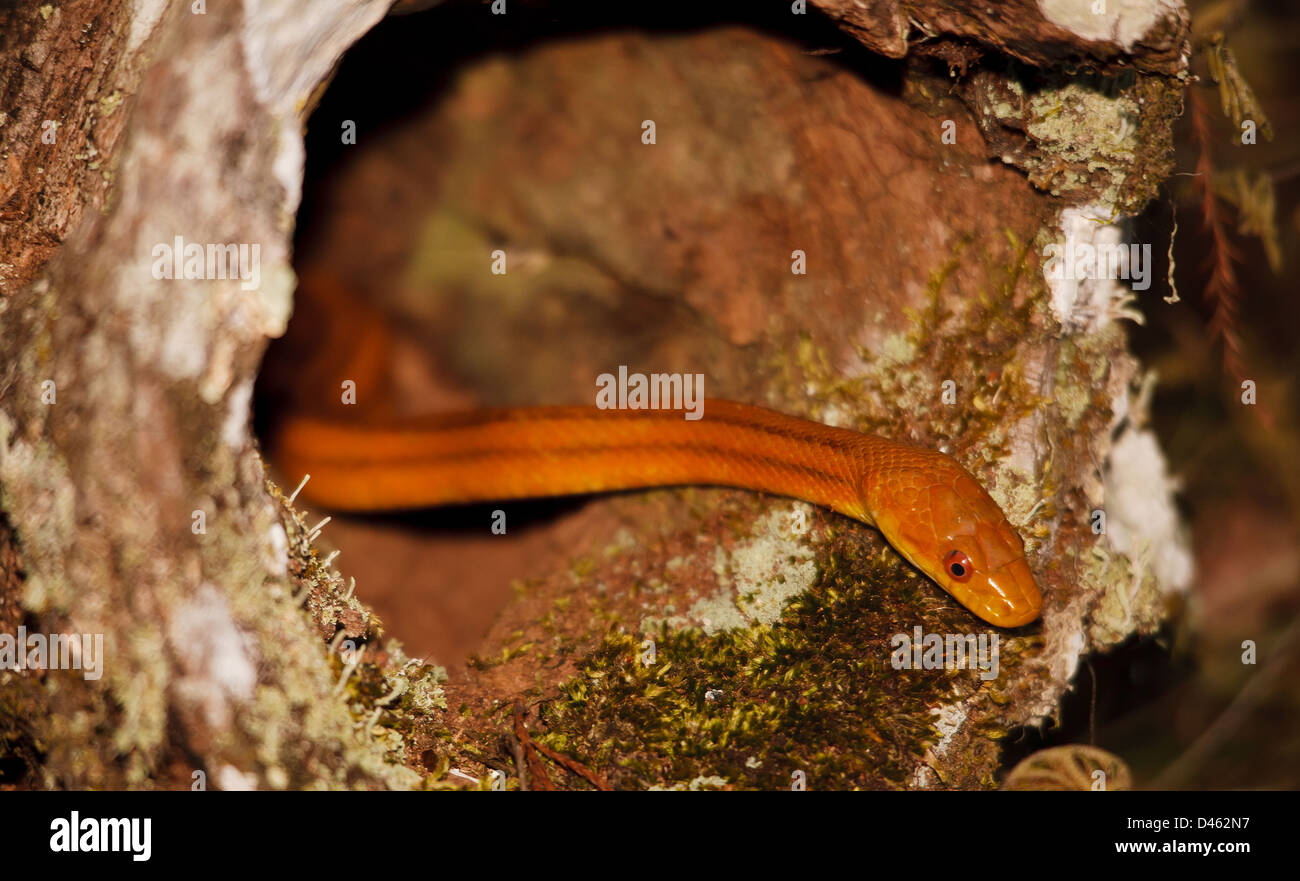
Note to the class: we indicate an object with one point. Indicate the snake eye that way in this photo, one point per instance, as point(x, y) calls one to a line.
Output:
point(958, 566)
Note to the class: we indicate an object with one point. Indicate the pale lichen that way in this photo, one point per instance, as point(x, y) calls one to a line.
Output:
point(759, 577)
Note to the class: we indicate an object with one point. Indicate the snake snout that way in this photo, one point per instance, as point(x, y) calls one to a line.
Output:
point(1011, 597)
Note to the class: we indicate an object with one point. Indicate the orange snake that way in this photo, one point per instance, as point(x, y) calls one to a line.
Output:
point(923, 502)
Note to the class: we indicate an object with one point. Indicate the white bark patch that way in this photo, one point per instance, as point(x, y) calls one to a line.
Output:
point(1123, 22)
point(231, 779)
point(214, 655)
point(950, 719)
point(277, 562)
point(234, 428)
point(1141, 519)
point(144, 18)
point(765, 573)
point(273, 37)
point(1086, 305)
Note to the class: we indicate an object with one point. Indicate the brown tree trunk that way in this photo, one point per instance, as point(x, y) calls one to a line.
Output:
point(921, 194)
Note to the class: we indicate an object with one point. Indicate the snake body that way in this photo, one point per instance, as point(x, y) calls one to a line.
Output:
point(923, 502)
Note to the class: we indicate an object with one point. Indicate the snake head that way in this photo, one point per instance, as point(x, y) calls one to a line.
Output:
point(938, 517)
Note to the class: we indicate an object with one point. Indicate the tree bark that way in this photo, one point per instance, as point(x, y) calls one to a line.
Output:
point(124, 398)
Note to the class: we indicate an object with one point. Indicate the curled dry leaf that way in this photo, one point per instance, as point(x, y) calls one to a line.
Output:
point(1076, 767)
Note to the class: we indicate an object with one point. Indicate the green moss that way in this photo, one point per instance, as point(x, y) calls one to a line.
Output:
point(384, 690)
point(1108, 137)
point(978, 349)
point(1083, 136)
point(812, 692)
point(1129, 595)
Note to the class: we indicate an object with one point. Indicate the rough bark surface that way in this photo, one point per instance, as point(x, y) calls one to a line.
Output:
point(124, 399)
point(1149, 35)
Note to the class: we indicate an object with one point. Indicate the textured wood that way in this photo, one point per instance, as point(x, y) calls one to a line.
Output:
point(174, 124)
point(1151, 35)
